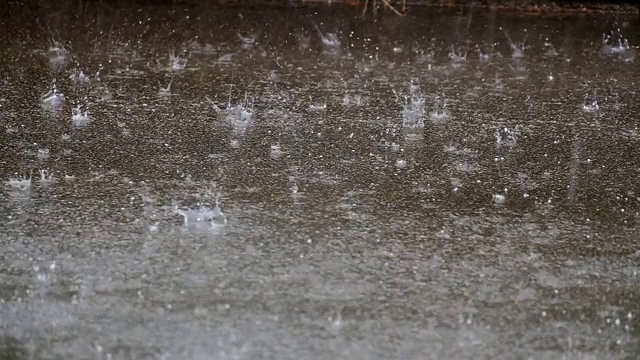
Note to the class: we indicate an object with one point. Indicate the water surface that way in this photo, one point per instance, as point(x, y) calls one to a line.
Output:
point(314, 185)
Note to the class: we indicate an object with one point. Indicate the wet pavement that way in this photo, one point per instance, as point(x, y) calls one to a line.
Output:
point(235, 184)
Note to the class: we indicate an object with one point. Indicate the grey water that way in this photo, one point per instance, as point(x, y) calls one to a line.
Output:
point(204, 183)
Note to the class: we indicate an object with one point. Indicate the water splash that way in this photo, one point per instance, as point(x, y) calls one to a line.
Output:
point(225, 58)
point(413, 108)
point(239, 116)
point(439, 113)
point(519, 68)
point(104, 94)
point(614, 43)
point(517, 49)
point(506, 137)
point(202, 216)
point(79, 118)
point(500, 198)
point(318, 107)
point(58, 55)
point(165, 90)
point(20, 183)
point(177, 63)
point(43, 154)
point(248, 41)
point(484, 53)
point(352, 100)
point(293, 188)
point(549, 49)
point(304, 41)
point(401, 164)
point(276, 151)
point(45, 274)
point(590, 104)
point(79, 77)
point(329, 40)
point(46, 178)
point(457, 59)
point(53, 100)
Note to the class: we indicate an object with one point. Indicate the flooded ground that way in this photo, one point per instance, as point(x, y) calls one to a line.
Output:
point(198, 183)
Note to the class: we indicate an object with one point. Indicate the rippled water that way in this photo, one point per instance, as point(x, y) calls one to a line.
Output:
point(217, 184)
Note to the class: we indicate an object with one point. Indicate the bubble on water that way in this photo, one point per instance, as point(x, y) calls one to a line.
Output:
point(79, 118)
point(401, 164)
point(499, 198)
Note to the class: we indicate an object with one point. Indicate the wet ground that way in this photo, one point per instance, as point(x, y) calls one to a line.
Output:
point(217, 184)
